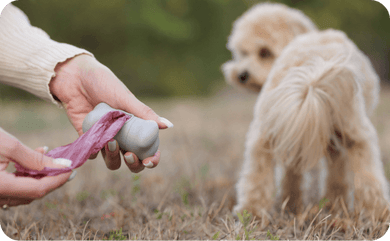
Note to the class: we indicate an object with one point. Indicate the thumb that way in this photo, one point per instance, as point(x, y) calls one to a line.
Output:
point(139, 109)
point(35, 160)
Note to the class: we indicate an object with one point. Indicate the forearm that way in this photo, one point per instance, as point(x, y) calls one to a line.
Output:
point(28, 56)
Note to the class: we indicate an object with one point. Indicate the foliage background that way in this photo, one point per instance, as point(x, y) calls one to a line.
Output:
point(168, 48)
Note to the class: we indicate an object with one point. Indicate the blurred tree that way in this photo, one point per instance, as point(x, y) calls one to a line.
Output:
point(176, 47)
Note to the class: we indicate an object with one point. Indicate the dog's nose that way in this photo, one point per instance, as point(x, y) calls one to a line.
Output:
point(243, 77)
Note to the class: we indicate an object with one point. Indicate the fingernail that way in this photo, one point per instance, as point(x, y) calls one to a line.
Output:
point(74, 172)
point(63, 161)
point(45, 149)
point(112, 145)
point(129, 159)
point(149, 164)
point(166, 122)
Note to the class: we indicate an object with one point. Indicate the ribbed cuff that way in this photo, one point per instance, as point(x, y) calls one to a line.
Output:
point(28, 59)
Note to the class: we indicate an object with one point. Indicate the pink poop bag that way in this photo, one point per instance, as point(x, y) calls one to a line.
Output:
point(79, 151)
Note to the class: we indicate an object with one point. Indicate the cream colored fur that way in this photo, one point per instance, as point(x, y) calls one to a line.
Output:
point(315, 103)
point(257, 39)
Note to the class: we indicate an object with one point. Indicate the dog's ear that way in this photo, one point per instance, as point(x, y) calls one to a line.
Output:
point(300, 28)
point(300, 23)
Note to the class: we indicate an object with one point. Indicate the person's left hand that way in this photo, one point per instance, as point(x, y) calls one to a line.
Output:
point(81, 83)
point(20, 190)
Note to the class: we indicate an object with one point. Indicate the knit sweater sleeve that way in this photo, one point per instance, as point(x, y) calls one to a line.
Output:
point(27, 54)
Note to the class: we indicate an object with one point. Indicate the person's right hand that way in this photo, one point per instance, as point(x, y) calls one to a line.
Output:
point(15, 190)
point(80, 84)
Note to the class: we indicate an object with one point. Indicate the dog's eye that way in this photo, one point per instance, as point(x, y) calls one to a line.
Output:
point(265, 53)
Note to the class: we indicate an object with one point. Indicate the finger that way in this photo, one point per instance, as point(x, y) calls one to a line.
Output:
point(139, 109)
point(42, 149)
point(133, 162)
point(30, 188)
point(3, 166)
point(111, 155)
point(14, 201)
point(4, 162)
point(152, 161)
point(125, 100)
point(31, 159)
point(134, 106)
point(93, 156)
point(165, 121)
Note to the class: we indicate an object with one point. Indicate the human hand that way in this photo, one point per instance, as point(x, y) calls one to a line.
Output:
point(15, 190)
point(81, 83)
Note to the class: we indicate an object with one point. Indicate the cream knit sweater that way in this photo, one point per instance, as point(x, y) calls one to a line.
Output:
point(27, 54)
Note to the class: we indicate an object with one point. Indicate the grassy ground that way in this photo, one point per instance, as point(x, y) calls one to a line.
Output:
point(188, 196)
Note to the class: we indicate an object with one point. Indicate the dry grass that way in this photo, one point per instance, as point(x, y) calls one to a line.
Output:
point(188, 196)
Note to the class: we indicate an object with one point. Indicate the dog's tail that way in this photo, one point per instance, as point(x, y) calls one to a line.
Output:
point(301, 115)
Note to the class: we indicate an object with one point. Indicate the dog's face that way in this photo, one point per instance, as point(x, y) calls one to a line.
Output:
point(257, 39)
point(253, 56)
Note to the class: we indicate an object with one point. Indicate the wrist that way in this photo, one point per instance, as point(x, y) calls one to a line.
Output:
point(67, 75)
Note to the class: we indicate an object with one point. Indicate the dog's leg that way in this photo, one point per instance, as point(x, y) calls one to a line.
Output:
point(362, 164)
point(371, 187)
point(292, 190)
point(255, 188)
point(340, 178)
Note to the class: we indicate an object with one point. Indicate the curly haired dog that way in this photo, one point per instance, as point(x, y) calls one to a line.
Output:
point(315, 103)
point(257, 39)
